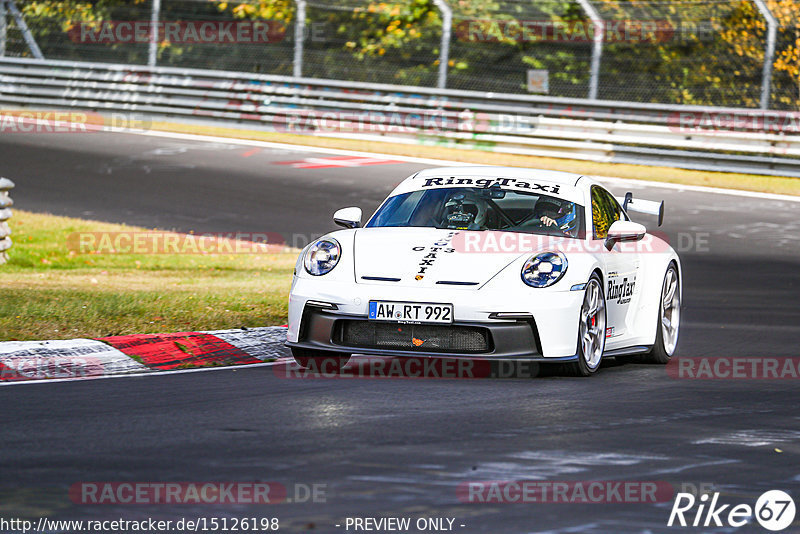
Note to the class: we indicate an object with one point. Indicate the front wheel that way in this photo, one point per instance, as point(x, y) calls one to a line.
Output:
point(669, 319)
point(591, 329)
point(320, 361)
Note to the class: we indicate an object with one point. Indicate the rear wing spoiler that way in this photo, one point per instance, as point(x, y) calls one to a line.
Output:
point(649, 207)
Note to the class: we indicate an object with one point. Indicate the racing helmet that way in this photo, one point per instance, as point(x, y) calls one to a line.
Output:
point(546, 208)
point(564, 213)
point(465, 211)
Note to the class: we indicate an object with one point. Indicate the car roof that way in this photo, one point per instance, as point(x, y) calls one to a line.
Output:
point(557, 183)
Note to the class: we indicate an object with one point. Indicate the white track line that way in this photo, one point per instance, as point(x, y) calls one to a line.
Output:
point(700, 188)
point(446, 163)
point(426, 161)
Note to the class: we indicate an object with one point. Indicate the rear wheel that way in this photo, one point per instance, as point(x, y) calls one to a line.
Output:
point(591, 329)
point(669, 319)
point(320, 361)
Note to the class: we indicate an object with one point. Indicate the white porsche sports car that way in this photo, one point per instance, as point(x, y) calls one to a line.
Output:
point(491, 263)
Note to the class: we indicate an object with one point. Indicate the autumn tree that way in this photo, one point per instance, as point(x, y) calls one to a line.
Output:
point(714, 55)
point(749, 38)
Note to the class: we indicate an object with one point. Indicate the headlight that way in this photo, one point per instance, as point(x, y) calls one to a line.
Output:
point(322, 256)
point(544, 269)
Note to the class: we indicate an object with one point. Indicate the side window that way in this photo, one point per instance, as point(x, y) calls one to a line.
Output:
point(605, 210)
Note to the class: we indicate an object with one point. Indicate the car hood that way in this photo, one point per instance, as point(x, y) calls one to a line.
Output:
point(424, 257)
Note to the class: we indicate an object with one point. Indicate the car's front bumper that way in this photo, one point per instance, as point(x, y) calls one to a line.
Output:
point(546, 332)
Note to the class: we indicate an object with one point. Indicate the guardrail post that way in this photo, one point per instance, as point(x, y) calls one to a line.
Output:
point(152, 50)
point(3, 28)
point(597, 47)
point(26, 32)
point(444, 50)
point(299, 31)
point(5, 215)
point(769, 52)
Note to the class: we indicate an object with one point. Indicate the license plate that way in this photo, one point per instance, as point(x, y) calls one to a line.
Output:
point(410, 312)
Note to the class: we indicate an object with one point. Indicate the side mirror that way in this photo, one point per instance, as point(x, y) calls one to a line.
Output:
point(348, 217)
point(624, 231)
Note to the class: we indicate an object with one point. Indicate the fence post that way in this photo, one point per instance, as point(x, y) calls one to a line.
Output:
point(26, 32)
point(299, 30)
point(152, 51)
point(5, 214)
point(3, 28)
point(444, 51)
point(597, 46)
point(769, 52)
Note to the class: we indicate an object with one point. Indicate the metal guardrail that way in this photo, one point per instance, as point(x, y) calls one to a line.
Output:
point(5, 214)
point(762, 142)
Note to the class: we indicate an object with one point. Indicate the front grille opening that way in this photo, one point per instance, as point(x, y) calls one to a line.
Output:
point(412, 337)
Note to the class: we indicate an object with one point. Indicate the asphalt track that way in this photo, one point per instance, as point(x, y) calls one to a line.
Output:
point(400, 447)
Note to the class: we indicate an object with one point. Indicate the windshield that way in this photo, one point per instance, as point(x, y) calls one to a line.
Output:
point(475, 208)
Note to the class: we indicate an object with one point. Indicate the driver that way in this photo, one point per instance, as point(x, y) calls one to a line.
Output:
point(465, 211)
point(553, 214)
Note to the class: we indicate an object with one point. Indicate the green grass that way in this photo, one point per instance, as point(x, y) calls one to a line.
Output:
point(49, 292)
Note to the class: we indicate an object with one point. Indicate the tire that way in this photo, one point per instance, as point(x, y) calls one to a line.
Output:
point(591, 329)
point(669, 319)
point(320, 361)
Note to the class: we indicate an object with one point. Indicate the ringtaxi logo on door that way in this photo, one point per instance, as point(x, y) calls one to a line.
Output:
point(774, 510)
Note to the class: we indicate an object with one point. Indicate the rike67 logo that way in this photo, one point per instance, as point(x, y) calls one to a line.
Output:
point(774, 510)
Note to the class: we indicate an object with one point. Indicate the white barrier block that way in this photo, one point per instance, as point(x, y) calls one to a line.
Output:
point(5, 214)
point(264, 343)
point(68, 358)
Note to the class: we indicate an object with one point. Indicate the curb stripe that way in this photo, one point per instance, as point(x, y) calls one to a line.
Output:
point(147, 372)
point(136, 355)
point(182, 349)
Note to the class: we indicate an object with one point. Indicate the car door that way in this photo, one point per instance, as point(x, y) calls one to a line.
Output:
point(620, 264)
